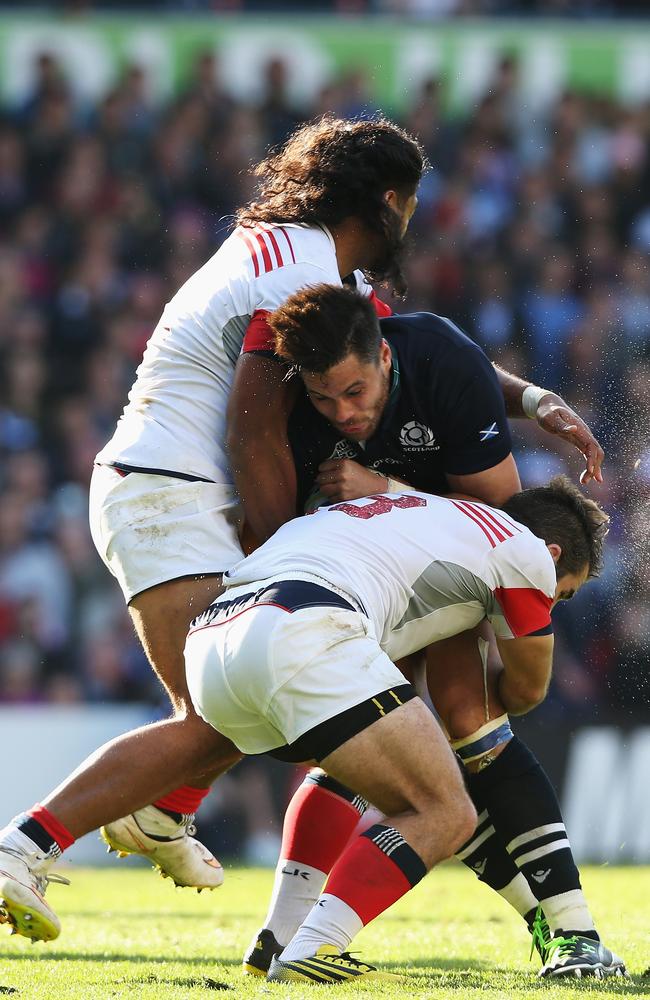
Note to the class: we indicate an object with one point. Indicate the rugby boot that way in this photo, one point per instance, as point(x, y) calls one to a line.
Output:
point(327, 966)
point(261, 952)
point(176, 852)
point(580, 956)
point(23, 881)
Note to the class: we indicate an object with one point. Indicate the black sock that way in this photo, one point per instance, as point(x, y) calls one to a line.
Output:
point(485, 854)
point(36, 832)
point(526, 815)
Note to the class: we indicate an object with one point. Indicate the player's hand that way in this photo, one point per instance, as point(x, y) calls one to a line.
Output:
point(344, 479)
point(557, 417)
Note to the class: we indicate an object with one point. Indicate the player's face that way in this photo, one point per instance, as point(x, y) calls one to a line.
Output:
point(568, 584)
point(403, 206)
point(352, 394)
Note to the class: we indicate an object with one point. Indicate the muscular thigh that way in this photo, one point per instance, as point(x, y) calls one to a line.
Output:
point(463, 694)
point(161, 616)
point(399, 762)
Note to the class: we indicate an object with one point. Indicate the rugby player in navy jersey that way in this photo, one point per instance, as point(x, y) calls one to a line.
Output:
point(411, 399)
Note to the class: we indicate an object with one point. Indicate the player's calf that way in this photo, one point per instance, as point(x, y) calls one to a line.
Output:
point(420, 785)
point(318, 823)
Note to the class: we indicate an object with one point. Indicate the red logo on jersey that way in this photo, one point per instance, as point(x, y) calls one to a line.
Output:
point(380, 505)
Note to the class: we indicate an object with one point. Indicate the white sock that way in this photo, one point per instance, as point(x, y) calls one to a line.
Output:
point(295, 890)
point(15, 840)
point(331, 921)
point(519, 894)
point(157, 823)
point(568, 911)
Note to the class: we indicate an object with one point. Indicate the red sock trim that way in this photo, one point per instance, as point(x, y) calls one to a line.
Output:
point(367, 880)
point(183, 800)
point(317, 826)
point(51, 825)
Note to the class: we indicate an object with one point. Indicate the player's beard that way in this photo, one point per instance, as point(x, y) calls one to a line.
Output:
point(388, 264)
point(376, 413)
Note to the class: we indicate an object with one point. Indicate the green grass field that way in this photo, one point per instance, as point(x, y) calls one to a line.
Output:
point(126, 933)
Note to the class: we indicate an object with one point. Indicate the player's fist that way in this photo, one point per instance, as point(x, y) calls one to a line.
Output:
point(344, 479)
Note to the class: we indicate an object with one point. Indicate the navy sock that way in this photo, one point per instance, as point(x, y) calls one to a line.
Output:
point(525, 812)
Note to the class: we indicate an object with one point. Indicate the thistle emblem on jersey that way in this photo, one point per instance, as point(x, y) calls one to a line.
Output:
point(415, 436)
point(489, 432)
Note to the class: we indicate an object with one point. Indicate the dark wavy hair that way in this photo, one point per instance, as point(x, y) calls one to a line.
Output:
point(560, 513)
point(319, 326)
point(333, 169)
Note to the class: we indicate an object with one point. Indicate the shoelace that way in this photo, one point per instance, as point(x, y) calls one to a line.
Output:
point(541, 935)
point(564, 946)
point(40, 881)
point(349, 959)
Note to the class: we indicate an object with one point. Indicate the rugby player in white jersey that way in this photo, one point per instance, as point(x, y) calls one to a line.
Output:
point(296, 659)
point(163, 510)
point(336, 198)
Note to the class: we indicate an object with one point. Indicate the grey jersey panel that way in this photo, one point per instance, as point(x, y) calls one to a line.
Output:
point(447, 599)
point(442, 585)
point(233, 336)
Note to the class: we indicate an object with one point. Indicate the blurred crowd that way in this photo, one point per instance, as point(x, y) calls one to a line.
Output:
point(409, 8)
point(533, 232)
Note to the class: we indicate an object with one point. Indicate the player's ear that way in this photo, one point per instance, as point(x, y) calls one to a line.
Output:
point(392, 199)
point(555, 550)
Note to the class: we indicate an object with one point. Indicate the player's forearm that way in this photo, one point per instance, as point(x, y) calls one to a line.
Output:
point(513, 389)
point(265, 478)
point(262, 464)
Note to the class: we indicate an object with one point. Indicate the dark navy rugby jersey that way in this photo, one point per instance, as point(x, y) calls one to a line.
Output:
point(445, 413)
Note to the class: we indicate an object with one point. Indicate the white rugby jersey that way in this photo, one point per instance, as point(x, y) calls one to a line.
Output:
point(422, 567)
point(175, 418)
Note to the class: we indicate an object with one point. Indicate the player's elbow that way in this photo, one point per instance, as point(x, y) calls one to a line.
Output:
point(522, 694)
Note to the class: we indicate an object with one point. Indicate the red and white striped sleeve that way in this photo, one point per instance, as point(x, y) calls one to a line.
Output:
point(278, 271)
point(523, 584)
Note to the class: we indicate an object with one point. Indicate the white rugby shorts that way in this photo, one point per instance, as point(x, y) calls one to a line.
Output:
point(266, 676)
point(150, 529)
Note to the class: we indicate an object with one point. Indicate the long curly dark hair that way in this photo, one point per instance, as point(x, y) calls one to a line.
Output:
point(332, 169)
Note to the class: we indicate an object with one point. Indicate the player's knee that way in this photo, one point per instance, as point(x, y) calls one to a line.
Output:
point(452, 803)
point(459, 814)
point(463, 716)
point(465, 822)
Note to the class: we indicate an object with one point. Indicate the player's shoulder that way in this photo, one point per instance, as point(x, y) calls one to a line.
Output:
point(519, 551)
point(278, 245)
point(427, 332)
point(432, 350)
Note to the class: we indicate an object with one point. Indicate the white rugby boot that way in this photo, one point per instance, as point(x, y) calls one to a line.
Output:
point(170, 846)
point(23, 881)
